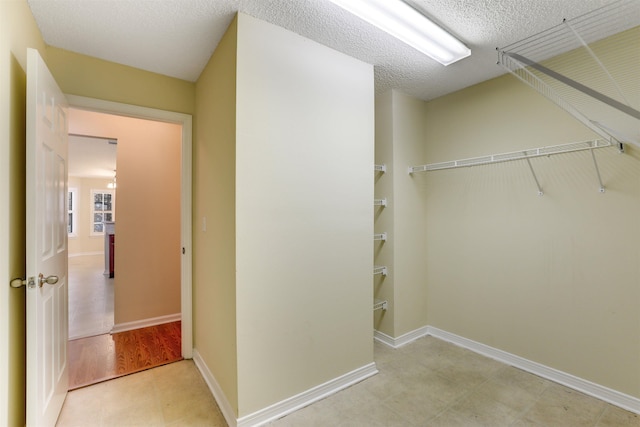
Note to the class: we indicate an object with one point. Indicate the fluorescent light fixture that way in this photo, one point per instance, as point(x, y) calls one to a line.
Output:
point(410, 26)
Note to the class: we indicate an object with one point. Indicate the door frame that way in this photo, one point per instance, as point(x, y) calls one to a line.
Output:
point(186, 120)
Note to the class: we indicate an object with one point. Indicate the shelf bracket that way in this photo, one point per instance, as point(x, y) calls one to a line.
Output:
point(595, 163)
point(381, 237)
point(380, 202)
point(535, 178)
point(380, 270)
point(380, 305)
point(380, 168)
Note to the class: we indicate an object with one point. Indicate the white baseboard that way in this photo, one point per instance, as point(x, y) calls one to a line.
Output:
point(308, 397)
point(89, 334)
point(84, 254)
point(285, 407)
point(402, 339)
point(614, 397)
point(225, 407)
point(137, 324)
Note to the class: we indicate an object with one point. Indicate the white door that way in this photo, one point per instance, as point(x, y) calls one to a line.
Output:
point(47, 327)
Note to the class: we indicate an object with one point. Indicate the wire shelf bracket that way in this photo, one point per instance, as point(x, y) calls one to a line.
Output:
point(380, 270)
point(535, 177)
point(380, 202)
point(380, 168)
point(380, 305)
point(595, 164)
point(380, 237)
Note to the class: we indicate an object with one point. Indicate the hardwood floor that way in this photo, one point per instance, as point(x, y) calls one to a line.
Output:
point(102, 357)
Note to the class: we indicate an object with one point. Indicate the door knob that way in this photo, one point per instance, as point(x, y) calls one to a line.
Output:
point(52, 280)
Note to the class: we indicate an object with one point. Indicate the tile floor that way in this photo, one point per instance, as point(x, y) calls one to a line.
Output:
point(426, 383)
point(169, 395)
point(90, 297)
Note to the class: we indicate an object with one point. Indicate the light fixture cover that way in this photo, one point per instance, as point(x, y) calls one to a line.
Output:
point(113, 183)
point(407, 24)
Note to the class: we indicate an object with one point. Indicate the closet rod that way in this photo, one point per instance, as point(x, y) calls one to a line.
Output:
point(516, 155)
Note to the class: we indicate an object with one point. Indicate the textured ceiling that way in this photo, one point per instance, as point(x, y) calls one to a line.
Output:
point(177, 37)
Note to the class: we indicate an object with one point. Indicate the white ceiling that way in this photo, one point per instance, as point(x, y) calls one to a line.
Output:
point(177, 37)
point(91, 157)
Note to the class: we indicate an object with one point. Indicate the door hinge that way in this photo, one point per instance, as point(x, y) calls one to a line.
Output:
point(18, 282)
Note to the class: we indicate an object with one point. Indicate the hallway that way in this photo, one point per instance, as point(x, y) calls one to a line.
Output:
point(90, 297)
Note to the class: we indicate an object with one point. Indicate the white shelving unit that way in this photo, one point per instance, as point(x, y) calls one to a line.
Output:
point(515, 155)
point(380, 237)
point(525, 155)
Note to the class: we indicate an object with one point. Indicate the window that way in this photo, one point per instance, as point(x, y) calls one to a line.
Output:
point(102, 209)
point(72, 223)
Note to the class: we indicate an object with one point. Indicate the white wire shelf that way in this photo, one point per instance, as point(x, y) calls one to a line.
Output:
point(380, 202)
point(380, 168)
point(587, 82)
point(380, 270)
point(380, 305)
point(380, 237)
point(515, 155)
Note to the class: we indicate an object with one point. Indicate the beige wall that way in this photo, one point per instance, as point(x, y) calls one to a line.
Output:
point(409, 230)
point(17, 32)
point(553, 279)
point(304, 218)
point(283, 179)
point(214, 249)
point(83, 243)
point(147, 261)
point(83, 75)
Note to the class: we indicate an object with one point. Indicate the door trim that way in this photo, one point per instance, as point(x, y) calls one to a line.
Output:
point(186, 286)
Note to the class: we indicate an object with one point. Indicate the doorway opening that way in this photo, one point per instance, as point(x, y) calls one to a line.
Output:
point(91, 207)
point(149, 247)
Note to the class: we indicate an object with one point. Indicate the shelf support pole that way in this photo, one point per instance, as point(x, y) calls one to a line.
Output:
point(595, 163)
point(535, 178)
